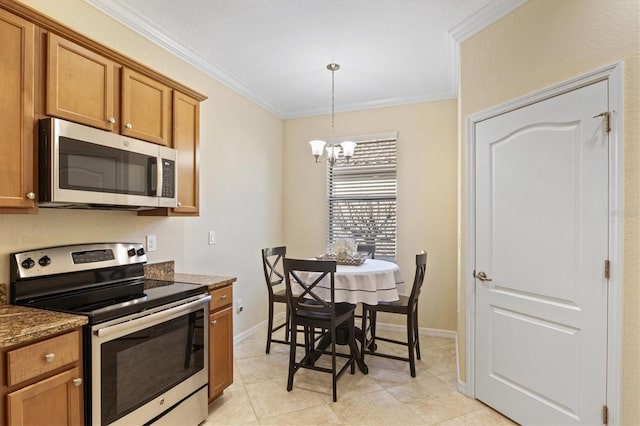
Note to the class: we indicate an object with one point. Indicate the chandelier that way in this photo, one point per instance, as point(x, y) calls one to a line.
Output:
point(333, 150)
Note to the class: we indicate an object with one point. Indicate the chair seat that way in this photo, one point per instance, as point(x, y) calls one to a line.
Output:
point(397, 306)
point(280, 296)
point(342, 309)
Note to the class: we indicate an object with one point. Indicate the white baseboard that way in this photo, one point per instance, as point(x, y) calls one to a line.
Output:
point(424, 331)
point(462, 387)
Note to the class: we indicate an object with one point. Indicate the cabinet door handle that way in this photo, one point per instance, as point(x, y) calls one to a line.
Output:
point(50, 357)
point(31, 195)
point(179, 204)
point(77, 381)
point(214, 322)
point(129, 126)
point(112, 120)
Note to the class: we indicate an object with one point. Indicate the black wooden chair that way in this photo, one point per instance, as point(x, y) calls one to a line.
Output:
point(311, 311)
point(274, 277)
point(368, 249)
point(407, 306)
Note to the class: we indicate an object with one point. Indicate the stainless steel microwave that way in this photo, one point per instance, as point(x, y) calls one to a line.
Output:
point(83, 167)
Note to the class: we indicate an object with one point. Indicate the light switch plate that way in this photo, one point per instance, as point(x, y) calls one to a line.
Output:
point(151, 243)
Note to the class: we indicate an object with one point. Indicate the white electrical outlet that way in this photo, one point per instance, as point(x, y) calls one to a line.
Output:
point(212, 237)
point(151, 243)
point(239, 306)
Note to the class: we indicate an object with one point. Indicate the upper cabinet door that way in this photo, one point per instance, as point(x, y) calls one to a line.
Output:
point(146, 107)
point(80, 85)
point(186, 128)
point(17, 114)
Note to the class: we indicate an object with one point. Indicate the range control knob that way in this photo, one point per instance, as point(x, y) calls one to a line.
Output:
point(44, 260)
point(131, 252)
point(140, 252)
point(28, 263)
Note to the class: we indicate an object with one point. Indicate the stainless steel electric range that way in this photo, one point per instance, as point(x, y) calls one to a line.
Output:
point(145, 347)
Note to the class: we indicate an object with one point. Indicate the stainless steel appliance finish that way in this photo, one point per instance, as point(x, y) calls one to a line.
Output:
point(145, 347)
point(83, 167)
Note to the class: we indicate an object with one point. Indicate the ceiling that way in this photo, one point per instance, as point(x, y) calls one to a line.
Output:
point(275, 52)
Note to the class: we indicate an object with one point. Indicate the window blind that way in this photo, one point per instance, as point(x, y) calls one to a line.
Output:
point(362, 197)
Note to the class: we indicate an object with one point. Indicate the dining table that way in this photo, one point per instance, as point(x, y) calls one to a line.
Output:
point(372, 282)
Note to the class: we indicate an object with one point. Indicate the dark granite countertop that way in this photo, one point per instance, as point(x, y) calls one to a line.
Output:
point(164, 271)
point(19, 324)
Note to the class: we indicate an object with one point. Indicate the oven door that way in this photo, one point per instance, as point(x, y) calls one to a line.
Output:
point(146, 363)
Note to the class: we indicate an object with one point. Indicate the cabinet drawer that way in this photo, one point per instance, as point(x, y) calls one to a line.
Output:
point(39, 358)
point(221, 297)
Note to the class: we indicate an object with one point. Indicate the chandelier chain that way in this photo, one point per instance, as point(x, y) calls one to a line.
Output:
point(333, 102)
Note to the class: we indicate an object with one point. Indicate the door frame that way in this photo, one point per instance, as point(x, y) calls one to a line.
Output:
point(614, 75)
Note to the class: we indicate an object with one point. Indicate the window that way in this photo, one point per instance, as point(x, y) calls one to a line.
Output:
point(362, 196)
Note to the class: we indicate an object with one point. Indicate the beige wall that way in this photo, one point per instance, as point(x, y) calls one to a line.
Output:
point(240, 180)
point(542, 43)
point(427, 156)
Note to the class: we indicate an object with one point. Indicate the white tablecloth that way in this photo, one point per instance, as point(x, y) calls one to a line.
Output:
point(372, 282)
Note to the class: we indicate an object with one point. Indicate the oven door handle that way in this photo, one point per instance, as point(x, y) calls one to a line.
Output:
point(153, 318)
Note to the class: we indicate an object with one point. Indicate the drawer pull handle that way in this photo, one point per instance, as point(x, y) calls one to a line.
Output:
point(214, 322)
point(224, 296)
point(77, 381)
point(50, 357)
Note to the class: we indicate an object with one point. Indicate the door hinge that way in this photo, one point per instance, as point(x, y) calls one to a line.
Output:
point(607, 269)
point(605, 415)
point(607, 120)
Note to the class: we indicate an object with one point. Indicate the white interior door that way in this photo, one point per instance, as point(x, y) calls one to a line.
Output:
point(542, 240)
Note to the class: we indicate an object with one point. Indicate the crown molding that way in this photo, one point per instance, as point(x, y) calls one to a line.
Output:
point(483, 18)
point(121, 12)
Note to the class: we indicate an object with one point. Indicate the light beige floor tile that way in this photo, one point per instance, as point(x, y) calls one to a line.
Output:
point(318, 415)
point(233, 407)
point(270, 399)
point(377, 408)
point(263, 368)
point(479, 417)
point(419, 389)
point(445, 407)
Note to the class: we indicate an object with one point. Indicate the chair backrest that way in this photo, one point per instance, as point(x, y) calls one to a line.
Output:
point(273, 268)
point(308, 286)
point(370, 249)
point(418, 279)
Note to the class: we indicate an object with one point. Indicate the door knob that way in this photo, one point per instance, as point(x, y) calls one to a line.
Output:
point(482, 276)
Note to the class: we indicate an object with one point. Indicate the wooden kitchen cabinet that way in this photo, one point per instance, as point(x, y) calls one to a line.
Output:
point(186, 140)
point(42, 382)
point(220, 341)
point(53, 401)
point(17, 114)
point(81, 85)
point(146, 107)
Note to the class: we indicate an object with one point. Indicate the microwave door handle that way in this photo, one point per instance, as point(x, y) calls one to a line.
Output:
point(153, 176)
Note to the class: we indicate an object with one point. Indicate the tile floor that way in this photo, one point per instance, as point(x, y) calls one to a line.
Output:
point(388, 395)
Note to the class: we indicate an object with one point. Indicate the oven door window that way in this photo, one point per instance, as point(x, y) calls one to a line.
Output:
point(86, 166)
point(140, 366)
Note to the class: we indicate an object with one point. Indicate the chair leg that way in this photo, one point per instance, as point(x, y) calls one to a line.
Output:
point(417, 332)
point(363, 340)
point(410, 341)
point(269, 326)
point(373, 318)
point(333, 364)
point(292, 360)
point(352, 344)
point(287, 328)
